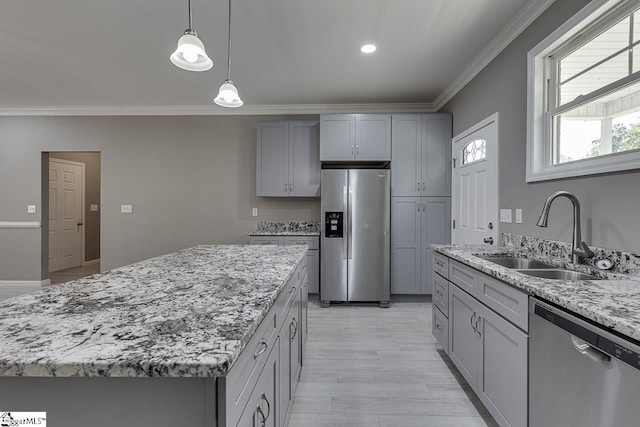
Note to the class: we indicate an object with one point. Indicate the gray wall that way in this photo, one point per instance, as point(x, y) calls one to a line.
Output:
point(92, 197)
point(191, 180)
point(611, 203)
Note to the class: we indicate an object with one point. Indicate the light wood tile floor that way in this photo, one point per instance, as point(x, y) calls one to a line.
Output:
point(63, 276)
point(373, 367)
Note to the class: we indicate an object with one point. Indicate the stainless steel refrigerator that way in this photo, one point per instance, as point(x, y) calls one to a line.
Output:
point(356, 247)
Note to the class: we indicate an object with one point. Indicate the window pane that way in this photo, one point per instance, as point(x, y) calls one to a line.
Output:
point(608, 72)
point(598, 49)
point(636, 26)
point(474, 151)
point(607, 125)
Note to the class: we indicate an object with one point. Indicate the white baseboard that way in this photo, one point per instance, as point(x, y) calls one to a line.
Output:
point(92, 262)
point(13, 288)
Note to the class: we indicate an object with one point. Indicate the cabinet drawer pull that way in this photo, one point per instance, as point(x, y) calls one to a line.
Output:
point(264, 345)
point(439, 327)
point(439, 293)
point(292, 290)
point(440, 264)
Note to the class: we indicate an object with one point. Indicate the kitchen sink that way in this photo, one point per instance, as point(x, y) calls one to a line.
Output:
point(519, 263)
point(559, 274)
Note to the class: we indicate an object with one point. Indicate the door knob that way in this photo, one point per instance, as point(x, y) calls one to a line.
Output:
point(79, 224)
point(488, 240)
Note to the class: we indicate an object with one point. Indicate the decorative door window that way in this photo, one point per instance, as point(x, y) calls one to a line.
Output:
point(474, 151)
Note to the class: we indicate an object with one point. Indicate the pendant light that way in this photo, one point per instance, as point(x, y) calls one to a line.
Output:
point(228, 94)
point(190, 54)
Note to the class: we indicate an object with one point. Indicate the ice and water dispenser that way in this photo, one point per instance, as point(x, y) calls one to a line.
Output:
point(333, 224)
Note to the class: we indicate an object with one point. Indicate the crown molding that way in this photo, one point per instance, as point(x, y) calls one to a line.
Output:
point(525, 17)
point(213, 110)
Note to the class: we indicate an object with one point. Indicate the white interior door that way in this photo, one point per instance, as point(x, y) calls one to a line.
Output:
point(65, 214)
point(475, 184)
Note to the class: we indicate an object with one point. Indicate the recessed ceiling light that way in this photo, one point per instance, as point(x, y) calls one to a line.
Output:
point(368, 48)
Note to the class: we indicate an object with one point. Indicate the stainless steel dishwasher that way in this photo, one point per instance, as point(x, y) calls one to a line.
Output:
point(580, 374)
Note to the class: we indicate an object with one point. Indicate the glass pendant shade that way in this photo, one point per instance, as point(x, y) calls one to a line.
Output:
point(190, 54)
point(228, 95)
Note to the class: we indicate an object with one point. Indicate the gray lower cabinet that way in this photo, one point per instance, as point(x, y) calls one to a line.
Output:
point(490, 352)
point(416, 224)
point(288, 159)
point(260, 387)
point(313, 255)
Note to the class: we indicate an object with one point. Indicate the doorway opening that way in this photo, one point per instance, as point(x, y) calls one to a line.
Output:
point(71, 215)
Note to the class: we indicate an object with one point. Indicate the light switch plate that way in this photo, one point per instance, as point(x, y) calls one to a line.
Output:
point(505, 215)
point(254, 212)
point(93, 208)
point(518, 216)
point(31, 209)
point(126, 208)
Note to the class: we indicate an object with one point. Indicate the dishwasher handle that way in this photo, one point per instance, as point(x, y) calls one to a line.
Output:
point(590, 351)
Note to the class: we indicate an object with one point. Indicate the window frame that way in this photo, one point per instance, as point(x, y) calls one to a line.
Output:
point(540, 83)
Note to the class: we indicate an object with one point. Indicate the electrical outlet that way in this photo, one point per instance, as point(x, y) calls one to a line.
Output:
point(126, 208)
point(31, 209)
point(93, 208)
point(518, 216)
point(505, 215)
point(254, 212)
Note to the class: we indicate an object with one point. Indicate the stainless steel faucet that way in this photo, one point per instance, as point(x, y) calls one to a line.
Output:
point(578, 247)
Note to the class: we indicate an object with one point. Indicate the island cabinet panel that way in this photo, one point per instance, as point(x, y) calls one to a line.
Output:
point(113, 401)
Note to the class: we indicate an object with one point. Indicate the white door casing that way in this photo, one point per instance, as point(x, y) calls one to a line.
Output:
point(66, 214)
point(474, 192)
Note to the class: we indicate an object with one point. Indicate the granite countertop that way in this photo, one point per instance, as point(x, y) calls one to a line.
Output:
point(285, 233)
point(613, 302)
point(185, 314)
point(290, 228)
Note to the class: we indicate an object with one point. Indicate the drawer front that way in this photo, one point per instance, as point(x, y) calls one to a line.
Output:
point(266, 240)
point(507, 301)
point(440, 326)
point(441, 294)
point(312, 242)
point(465, 277)
point(441, 265)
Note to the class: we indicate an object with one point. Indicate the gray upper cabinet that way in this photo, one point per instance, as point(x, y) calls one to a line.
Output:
point(287, 159)
point(360, 137)
point(421, 161)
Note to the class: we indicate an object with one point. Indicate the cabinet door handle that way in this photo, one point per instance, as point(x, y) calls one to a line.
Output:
point(263, 417)
point(423, 187)
point(439, 293)
point(352, 150)
point(473, 323)
point(418, 205)
point(439, 327)
point(264, 346)
point(424, 207)
point(477, 328)
point(294, 331)
point(357, 149)
point(418, 186)
point(290, 187)
point(285, 187)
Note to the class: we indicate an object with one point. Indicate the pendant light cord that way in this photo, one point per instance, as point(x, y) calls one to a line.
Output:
point(189, 6)
point(228, 46)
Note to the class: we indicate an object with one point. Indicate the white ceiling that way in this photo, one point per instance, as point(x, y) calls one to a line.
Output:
point(115, 53)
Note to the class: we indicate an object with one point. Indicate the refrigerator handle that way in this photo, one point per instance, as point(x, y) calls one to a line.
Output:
point(345, 233)
point(349, 225)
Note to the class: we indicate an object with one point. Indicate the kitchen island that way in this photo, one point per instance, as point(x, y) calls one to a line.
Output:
point(152, 343)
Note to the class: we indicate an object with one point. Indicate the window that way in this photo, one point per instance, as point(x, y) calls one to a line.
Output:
point(584, 94)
